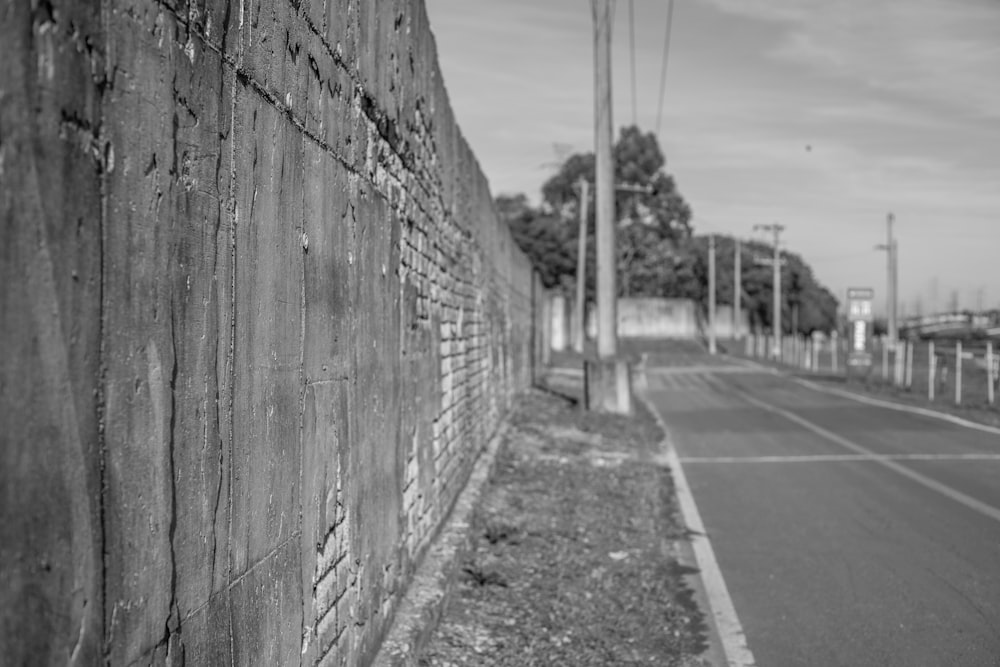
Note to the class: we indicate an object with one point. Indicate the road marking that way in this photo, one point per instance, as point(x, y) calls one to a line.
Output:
point(925, 412)
point(727, 623)
point(685, 370)
point(891, 405)
point(811, 458)
point(958, 496)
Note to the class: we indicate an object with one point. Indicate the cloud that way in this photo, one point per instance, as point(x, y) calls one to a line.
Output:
point(942, 51)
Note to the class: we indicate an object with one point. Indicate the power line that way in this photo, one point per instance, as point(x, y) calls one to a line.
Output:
point(840, 257)
point(631, 45)
point(663, 70)
point(711, 224)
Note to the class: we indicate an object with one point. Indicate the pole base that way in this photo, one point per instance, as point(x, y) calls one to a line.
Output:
point(608, 386)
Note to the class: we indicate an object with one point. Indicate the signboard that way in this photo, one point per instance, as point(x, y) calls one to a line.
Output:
point(859, 314)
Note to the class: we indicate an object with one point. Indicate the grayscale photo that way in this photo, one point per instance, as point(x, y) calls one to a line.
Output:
point(481, 333)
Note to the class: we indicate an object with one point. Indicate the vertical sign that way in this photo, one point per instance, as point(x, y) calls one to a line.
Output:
point(859, 314)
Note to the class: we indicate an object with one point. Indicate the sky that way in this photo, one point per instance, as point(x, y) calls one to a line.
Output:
point(821, 115)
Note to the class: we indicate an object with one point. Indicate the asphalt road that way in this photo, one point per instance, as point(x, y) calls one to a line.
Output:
point(847, 534)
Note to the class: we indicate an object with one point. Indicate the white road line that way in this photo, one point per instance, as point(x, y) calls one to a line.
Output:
point(925, 412)
point(891, 405)
point(958, 496)
point(820, 458)
point(727, 623)
point(687, 370)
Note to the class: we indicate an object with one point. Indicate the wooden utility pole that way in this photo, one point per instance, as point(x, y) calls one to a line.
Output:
point(711, 294)
point(776, 229)
point(737, 292)
point(581, 268)
point(607, 335)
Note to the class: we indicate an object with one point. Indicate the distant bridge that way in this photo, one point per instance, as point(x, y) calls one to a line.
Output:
point(952, 325)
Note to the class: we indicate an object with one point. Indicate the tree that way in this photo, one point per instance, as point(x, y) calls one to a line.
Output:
point(542, 236)
point(657, 253)
point(638, 162)
point(816, 306)
point(651, 224)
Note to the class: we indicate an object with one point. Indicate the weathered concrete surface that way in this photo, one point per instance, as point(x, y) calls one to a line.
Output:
point(259, 318)
point(638, 317)
point(653, 317)
point(426, 599)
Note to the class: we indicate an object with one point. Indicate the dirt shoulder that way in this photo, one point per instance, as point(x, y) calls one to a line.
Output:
point(573, 559)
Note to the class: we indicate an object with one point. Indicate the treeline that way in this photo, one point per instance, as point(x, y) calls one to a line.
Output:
point(658, 253)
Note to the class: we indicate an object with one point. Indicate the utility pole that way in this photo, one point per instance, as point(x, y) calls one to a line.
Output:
point(607, 335)
point(737, 292)
point(711, 294)
point(607, 379)
point(891, 277)
point(775, 229)
point(581, 268)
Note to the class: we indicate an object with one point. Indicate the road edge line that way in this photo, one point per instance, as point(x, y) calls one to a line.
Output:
point(892, 405)
point(878, 402)
point(724, 620)
point(957, 496)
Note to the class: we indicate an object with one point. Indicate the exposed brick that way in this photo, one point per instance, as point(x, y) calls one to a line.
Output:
point(272, 316)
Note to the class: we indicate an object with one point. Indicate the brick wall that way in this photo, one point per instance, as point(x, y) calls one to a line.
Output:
point(259, 317)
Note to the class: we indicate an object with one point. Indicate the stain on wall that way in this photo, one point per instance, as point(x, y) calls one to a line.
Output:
point(259, 318)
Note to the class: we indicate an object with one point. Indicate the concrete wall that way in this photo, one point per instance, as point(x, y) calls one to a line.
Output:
point(561, 325)
point(640, 317)
point(258, 318)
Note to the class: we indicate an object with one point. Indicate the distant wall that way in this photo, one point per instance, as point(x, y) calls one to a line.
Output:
point(652, 318)
point(561, 325)
point(258, 319)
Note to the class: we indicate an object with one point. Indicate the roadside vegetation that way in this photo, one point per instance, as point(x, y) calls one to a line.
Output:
point(574, 560)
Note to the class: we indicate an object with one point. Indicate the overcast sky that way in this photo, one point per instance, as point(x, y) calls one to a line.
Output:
point(821, 115)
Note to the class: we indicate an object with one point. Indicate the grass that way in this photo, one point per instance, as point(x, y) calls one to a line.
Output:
point(572, 562)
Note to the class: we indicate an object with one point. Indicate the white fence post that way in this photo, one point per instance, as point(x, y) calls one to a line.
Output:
point(900, 365)
point(989, 372)
point(885, 359)
point(833, 352)
point(909, 364)
point(931, 370)
point(958, 372)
